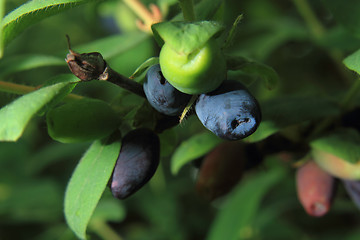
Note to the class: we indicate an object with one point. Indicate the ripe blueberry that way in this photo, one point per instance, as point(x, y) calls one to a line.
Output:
point(137, 162)
point(162, 95)
point(230, 111)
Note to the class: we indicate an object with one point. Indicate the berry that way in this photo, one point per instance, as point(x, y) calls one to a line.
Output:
point(162, 95)
point(315, 189)
point(137, 162)
point(221, 170)
point(230, 111)
point(201, 71)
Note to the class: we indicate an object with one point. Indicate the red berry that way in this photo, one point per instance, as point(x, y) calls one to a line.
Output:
point(221, 170)
point(315, 189)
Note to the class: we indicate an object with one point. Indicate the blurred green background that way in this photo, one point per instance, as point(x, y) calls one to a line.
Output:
point(34, 170)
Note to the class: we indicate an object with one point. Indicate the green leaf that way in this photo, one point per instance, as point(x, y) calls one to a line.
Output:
point(232, 32)
point(204, 10)
point(2, 12)
point(109, 210)
point(87, 184)
point(241, 207)
point(144, 66)
point(256, 69)
point(352, 62)
point(343, 143)
point(113, 46)
point(82, 120)
point(16, 115)
point(19, 63)
point(193, 148)
point(346, 13)
point(279, 113)
point(185, 37)
point(30, 13)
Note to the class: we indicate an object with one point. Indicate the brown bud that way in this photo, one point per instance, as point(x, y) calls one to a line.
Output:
point(86, 66)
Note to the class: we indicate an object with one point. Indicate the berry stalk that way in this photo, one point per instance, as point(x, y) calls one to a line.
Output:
point(187, 7)
point(92, 66)
point(116, 78)
point(20, 89)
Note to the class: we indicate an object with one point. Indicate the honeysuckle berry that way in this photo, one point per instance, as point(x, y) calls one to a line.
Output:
point(230, 111)
point(162, 95)
point(137, 162)
point(200, 71)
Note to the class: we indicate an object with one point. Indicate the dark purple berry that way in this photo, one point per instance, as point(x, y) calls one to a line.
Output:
point(230, 111)
point(137, 162)
point(162, 95)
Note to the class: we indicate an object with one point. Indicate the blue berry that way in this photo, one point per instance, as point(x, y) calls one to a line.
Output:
point(162, 95)
point(230, 111)
point(137, 162)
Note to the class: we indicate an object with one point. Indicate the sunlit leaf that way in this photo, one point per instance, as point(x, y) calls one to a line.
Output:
point(19, 63)
point(352, 62)
point(112, 46)
point(32, 12)
point(16, 115)
point(88, 183)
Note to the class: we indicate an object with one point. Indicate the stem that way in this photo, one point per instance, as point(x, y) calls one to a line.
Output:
point(188, 107)
point(2, 12)
point(101, 228)
point(348, 99)
point(122, 81)
point(308, 15)
point(15, 88)
point(231, 35)
point(187, 7)
point(140, 10)
point(23, 89)
point(318, 32)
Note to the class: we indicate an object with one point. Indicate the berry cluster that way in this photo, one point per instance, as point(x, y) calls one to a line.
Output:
point(230, 111)
point(224, 106)
point(192, 71)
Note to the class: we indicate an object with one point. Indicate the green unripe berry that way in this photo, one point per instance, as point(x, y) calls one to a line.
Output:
point(201, 71)
point(81, 120)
